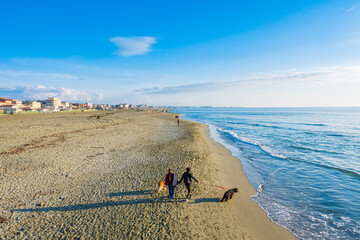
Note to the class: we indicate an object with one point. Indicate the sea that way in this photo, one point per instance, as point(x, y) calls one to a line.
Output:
point(304, 163)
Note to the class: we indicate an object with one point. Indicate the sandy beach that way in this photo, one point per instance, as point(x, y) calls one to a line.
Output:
point(93, 175)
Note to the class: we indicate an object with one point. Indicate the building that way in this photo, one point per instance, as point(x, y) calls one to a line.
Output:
point(32, 104)
point(53, 102)
point(5, 101)
point(78, 105)
point(10, 109)
point(65, 104)
point(16, 102)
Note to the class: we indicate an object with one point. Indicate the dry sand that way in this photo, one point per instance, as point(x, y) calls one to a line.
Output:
point(77, 176)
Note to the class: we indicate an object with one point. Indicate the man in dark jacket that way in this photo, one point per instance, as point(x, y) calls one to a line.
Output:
point(171, 182)
point(187, 177)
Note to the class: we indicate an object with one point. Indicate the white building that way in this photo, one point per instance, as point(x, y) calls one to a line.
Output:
point(53, 102)
point(32, 103)
point(17, 102)
point(10, 108)
point(65, 104)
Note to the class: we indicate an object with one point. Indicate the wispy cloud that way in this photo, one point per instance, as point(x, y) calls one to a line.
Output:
point(130, 46)
point(42, 92)
point(12, 73)
point(351, 8)
point(328, 74)
point(29, 71)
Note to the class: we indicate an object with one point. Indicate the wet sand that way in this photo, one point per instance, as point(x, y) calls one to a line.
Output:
point(80, 176)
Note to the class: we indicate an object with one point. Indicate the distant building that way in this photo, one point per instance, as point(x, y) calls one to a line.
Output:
point(27, 109)
point(65, 104)
point(10, 108)
point(5, 101)
point(80, 105)
point(16, 102)
point(53, 102)
point(32, 104)
point(43, 104)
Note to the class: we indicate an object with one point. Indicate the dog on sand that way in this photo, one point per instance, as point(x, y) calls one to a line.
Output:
point(229, 194)
point(161, 186)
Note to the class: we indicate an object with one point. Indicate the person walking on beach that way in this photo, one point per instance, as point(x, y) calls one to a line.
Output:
point(187, 177)
point(171, 182)
point(178, 121)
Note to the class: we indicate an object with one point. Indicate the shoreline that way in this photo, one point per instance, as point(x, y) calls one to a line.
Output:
point(82, 177)
point(231, 174)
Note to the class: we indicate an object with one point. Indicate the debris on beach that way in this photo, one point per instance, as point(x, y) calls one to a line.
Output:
point(96, 116)
point(3, 219)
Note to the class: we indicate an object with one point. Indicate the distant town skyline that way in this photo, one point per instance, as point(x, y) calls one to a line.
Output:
point(229, 53)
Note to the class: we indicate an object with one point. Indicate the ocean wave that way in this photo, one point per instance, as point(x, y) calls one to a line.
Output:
point(312, 124)
point(270, 126)
point(351, 173)
point(262, 146)
point(273, 153)
point(335, 135)
point(313, 149)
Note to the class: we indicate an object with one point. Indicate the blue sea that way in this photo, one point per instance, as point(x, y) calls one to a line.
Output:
point(304, 162)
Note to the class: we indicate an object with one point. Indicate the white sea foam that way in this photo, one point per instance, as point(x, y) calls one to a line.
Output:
point(264, 147)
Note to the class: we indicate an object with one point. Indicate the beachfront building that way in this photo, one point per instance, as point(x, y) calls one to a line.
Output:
point(65, 104)
point(16, 102)
point(142, 107)
point(43, 104)
point(27, 109)
point(53, 102)
point(10, 109)
point(5, 101)
point(66, 109)
point(80, 105)
point(32, 104)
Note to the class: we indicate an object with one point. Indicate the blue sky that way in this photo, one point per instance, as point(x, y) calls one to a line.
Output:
point(220, 53)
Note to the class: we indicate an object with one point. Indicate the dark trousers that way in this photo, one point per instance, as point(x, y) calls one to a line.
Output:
point(171, 191)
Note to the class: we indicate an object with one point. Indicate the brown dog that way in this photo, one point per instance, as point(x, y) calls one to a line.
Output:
point(229, 194)
point(161, 186)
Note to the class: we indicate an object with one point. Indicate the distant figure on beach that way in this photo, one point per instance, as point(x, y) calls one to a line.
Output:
point(187, 177)
point(178, 121)
point(171, 182)
point(229, 194)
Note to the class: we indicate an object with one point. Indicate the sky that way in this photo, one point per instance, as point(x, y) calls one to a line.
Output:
point(297, 53)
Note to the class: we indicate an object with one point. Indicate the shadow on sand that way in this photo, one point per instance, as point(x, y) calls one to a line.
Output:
point(132, 193)
point(162, 199)
point(203, 200)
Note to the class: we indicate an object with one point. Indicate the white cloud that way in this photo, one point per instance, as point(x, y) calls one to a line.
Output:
point(328, 74)
point(352, 8)
point(41, 92)
point(130, 46)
